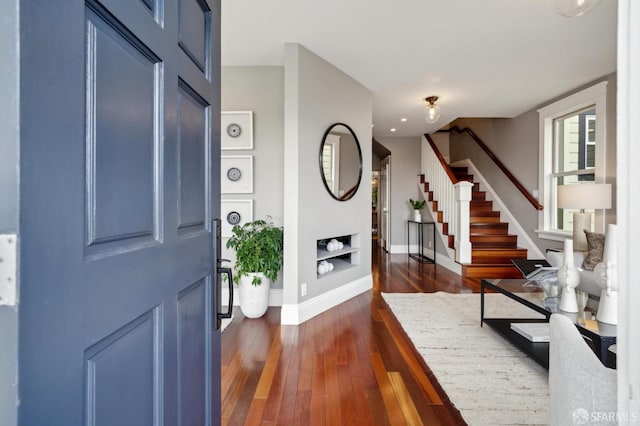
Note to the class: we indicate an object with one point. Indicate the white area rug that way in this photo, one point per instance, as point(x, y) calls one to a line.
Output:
point(490, 381)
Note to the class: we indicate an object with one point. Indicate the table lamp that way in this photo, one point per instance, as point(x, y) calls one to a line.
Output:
point(583, 196)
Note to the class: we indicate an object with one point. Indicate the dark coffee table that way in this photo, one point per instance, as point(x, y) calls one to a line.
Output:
point(599, 335)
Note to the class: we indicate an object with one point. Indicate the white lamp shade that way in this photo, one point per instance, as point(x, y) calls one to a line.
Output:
point(585, 196)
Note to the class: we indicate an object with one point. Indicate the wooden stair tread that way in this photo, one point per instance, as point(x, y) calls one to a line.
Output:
point(478, 195)
point(484, 213)
point(501, 270)
point(484, 219)
point(488, 228)
point(493, 240)
point(481, 205)
point(492, 237)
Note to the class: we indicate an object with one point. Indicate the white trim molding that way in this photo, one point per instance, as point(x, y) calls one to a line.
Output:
point(402, 249)
point(628, 205)
point(294, 314)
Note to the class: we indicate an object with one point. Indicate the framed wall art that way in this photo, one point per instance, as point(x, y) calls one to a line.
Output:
point(235, 212)
point(236, 128)
point(236, 174)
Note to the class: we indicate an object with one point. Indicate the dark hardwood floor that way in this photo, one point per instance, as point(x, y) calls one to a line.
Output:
point(350, 365)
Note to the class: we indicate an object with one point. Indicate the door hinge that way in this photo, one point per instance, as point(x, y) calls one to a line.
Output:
point(8, 251)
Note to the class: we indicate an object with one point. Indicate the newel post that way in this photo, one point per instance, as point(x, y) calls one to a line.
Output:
point(462, 241)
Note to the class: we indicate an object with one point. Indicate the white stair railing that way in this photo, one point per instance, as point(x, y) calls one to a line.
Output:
point(453, 199)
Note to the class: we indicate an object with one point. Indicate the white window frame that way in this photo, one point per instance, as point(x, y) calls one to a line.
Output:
point(594, 95)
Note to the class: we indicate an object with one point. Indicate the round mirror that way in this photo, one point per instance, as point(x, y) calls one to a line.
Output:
point(341, 161)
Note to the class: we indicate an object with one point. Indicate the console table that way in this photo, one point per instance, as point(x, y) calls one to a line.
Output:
point(419, 256)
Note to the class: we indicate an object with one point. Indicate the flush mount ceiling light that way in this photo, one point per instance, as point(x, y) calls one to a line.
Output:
point(432, 111)
point(572, 8)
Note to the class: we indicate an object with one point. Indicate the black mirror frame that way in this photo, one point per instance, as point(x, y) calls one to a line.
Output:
point(351, 192)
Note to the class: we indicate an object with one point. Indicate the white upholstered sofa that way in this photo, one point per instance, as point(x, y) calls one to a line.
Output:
point(580, 386)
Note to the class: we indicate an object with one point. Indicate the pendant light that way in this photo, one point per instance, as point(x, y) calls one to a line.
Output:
point(432, 111)
point(572, 8)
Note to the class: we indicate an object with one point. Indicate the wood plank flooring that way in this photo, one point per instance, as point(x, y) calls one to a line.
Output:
point(352, 365)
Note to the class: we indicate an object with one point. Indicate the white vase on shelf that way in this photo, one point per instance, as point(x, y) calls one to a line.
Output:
point(569, 278)
point(417, 217)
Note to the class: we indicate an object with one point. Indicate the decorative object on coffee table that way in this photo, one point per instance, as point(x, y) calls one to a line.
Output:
point(569, 278)
point(582, 297)
point(606, 275)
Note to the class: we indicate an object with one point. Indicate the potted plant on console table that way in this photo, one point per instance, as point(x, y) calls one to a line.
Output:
point(417, 206)
point(258, 246)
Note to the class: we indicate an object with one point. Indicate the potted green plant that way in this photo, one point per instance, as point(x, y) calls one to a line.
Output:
point(417, 206)
point(259, 252)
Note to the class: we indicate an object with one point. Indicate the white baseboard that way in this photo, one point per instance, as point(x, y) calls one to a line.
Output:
point(402, 249)
point(275, 296)
point(294, 314)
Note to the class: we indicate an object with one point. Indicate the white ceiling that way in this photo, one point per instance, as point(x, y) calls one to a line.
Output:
point(484, 58)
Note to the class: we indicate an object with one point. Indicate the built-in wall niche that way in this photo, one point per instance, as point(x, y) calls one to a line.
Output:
point(345, 257)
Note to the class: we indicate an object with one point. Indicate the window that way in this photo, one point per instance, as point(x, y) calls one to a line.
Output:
point(572, 151)
point(330, 161)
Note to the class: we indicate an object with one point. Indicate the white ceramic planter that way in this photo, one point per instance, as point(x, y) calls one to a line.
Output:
point(254, 299)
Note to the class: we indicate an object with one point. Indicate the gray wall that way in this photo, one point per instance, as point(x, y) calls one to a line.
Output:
point(405, 168)
point(261, 90)
point(9, 204)
point(317, 95)
point(515, 142)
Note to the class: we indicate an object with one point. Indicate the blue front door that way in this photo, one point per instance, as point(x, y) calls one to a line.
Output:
point(119, 178)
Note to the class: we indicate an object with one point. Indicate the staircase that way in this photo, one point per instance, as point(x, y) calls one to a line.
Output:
point(492, 246)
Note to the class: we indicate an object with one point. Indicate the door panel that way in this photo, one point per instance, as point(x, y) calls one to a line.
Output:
point(127, 353)
point(123, 141)
point(193, 134)
point(119, 177)
point(192, 354)
point(195, 29)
